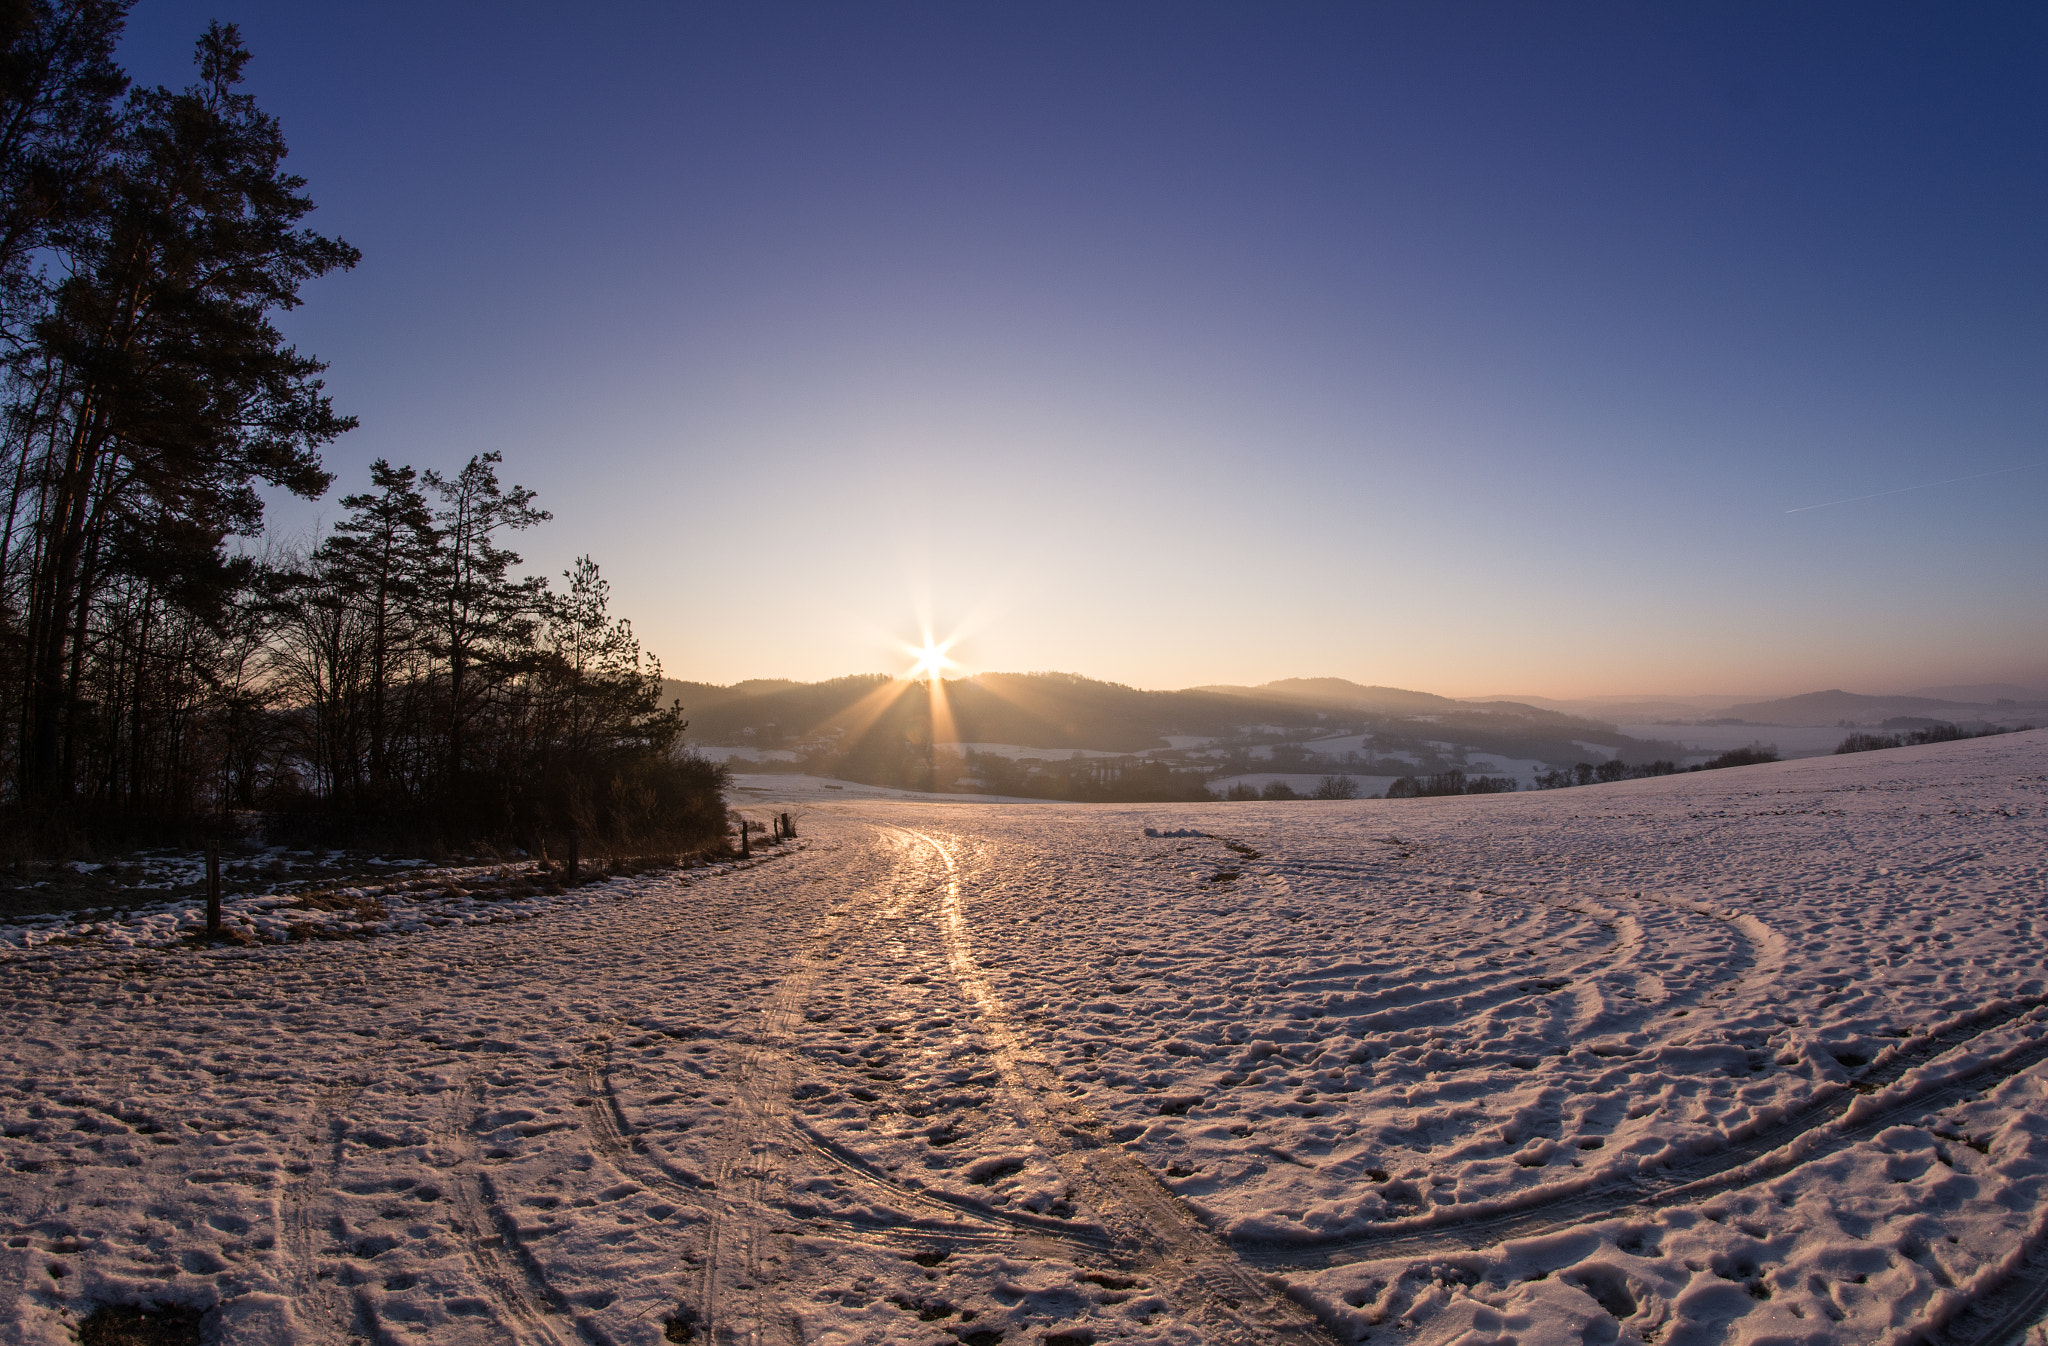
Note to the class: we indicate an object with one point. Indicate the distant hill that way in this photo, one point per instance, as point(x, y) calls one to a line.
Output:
point(1631, 709)
point(1987, 693)
point(883, 730)
point(1836, 706)
point(1350, 695)
point(1036, 710)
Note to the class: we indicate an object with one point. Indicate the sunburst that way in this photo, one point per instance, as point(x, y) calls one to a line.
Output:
point(931, 660)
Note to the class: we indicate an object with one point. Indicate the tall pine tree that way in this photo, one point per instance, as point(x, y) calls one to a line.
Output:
point(169, 393)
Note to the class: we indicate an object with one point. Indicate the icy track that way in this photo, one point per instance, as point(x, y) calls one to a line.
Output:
point(1757, 1055)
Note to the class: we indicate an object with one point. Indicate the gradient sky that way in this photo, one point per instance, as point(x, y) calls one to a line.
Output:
point(1473, 348)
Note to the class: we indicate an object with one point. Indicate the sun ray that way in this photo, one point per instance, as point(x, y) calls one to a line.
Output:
point(856, 720)
point(1034, 705)
point(943, 730)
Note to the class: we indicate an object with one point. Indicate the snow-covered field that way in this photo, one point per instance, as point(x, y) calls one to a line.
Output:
point(1756, 1055)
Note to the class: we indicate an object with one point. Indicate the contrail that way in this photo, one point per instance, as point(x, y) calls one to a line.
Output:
point(1850, 500)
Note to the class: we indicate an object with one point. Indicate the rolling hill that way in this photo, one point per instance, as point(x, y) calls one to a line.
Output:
point(891, 732)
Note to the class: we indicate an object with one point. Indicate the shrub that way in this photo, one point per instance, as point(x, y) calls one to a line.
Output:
point(1936, 731)
point(1242, 791)
point(1754, 755)
point(1585, 773)
point(1452, 782)
point(1278, 789)
point(1336, 787)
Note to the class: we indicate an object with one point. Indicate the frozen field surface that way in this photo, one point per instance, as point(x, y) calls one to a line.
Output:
point(1757, 1055)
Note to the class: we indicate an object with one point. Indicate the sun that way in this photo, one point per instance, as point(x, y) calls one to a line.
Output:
point(931, 660)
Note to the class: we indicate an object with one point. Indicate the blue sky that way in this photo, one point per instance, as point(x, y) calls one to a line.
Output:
point(1477, 348)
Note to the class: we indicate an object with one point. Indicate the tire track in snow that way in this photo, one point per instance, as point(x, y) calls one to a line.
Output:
point(741, 1200)
point(1750, 934)
point(948, 1217)
point(1156, 1231)
point(18, 1257)
point(619, 1142)
point(490, 1237)
point(2007, 1310)
point(1732, 969)
point(1489, 992)
point(947, 1204)
point(734, 1301)
point(1811, 1133)
point(335, 1317)
point(1760, 951)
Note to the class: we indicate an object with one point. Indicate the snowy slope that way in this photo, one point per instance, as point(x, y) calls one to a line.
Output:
point(1749, 1055)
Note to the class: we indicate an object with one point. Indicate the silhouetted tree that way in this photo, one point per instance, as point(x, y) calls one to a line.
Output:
point(155, 393)
point(474, 609)
point(395, 673)
point(1754, 755)
point(596, 699)
point(58, 83)
point(383, 555)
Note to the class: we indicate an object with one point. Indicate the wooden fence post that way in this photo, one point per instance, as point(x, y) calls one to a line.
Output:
point(213, 890)
point(575, 852)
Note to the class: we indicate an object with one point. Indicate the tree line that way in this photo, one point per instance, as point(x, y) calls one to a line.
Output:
point(1940, 731)
point(1585, 773)
point(159, 666)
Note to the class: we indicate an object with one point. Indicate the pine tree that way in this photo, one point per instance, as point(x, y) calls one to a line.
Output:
point(165, 391)
point(601, 695)
point(386, 550)
point(474, 608)
point(58, 86)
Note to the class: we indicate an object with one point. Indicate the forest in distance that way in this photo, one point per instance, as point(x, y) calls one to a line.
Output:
point(164, 664)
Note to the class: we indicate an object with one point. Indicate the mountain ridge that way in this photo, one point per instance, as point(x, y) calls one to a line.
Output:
point(884, 730)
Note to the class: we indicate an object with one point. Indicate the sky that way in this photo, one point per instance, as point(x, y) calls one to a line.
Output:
point(1472, 348)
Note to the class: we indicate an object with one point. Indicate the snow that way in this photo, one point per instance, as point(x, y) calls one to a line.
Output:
point(765, 788)
point(1747, 1055)
point(432, 899)
point(715, 752)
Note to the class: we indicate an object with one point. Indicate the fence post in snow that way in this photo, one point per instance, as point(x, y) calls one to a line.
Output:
point(212, 889)
point(574, 853)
